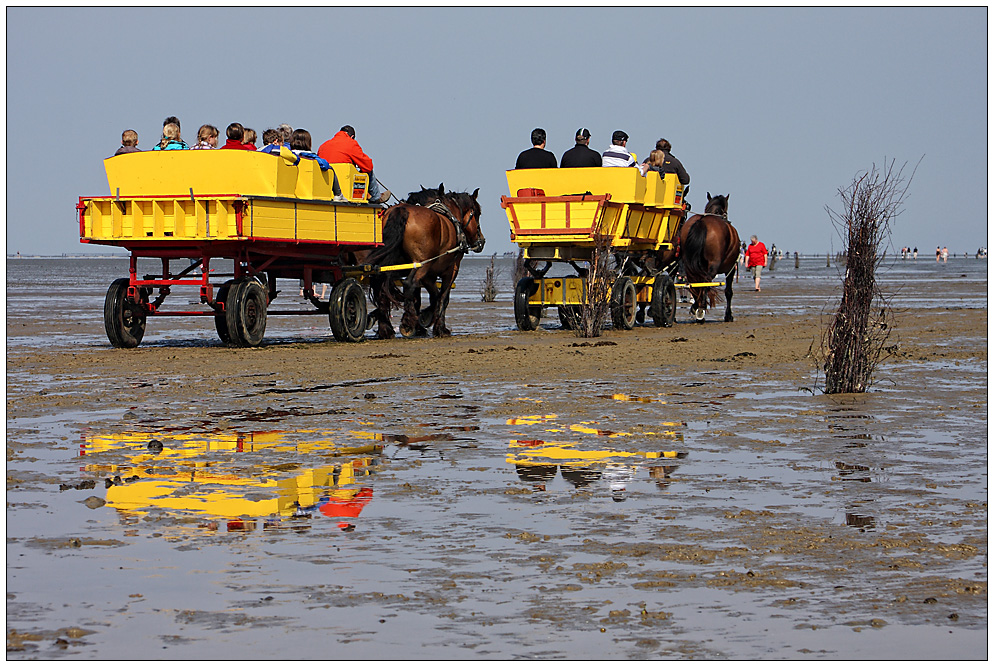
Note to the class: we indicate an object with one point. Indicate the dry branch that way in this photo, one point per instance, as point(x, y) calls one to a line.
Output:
point(854, 341)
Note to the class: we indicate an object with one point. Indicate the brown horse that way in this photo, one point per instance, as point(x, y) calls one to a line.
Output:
point(434, 228)
point(709, 246)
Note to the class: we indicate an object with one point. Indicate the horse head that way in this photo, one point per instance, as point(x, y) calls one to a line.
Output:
point(474, 226)
point(717, 205)
point(468, 211)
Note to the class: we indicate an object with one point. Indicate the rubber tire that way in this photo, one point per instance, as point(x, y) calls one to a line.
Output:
point(245, 310)
point(624, 303)
point(124, 326)
point(663, 305)
point(347, 311)
point(221, 321)
point(527, 317)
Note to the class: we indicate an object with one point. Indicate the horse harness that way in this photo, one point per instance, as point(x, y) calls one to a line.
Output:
point(683, 220)
point(438, 207)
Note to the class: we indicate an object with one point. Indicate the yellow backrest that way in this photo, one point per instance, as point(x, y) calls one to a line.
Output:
point(624, 184)
point(227, 172)
point(663, 190)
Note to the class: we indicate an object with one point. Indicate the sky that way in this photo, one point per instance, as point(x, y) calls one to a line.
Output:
point(777, 107)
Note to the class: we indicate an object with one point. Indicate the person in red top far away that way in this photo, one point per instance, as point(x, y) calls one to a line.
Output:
point(755, 258)
point(235, 134)
point(343, 149)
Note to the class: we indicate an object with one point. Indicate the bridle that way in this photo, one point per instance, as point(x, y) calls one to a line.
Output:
point(463, 246)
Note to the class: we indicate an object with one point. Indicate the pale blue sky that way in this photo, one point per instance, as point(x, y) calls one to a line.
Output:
point(777, 107)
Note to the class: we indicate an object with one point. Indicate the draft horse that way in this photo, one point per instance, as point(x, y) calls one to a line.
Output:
point(709, 246)
point(434, 228)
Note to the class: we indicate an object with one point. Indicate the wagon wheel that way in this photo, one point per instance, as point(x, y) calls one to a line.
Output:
point(663, 305)
point(526, 316)
point(220, 319)
point(347, 311)
point(245, 313)
point(124, 320)
point(624, 303)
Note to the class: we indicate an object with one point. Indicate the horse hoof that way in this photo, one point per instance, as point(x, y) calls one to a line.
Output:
point(408, 333)
point(385, 334)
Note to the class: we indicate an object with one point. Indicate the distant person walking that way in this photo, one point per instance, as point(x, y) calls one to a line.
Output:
point(915, 252)
point(945, 254)
point(938, 254)
point(756, 258)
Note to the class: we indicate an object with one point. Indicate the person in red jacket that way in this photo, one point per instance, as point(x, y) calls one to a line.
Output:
point(235, 134)
point(343, 149)
point(756, 258)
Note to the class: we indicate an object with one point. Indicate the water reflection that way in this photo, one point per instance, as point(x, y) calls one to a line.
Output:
point(238, 481)
point(537, 462)
point(584, 466)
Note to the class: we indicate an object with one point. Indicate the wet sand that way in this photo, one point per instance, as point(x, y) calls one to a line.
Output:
point(656, 493)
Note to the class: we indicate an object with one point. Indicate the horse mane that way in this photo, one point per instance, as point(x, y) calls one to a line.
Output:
point(426, 196)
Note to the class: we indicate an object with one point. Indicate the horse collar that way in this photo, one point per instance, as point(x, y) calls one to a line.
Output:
point(442, 209)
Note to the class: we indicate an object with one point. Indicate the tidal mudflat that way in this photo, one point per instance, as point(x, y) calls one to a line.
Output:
point(658, 493)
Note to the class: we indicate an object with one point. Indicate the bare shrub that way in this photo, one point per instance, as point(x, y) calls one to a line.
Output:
point(599, 280)
point(488, 286)
point(854, 342)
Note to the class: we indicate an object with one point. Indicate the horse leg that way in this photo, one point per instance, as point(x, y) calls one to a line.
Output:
point(382, 312)
point(732, 274)
point(440, 330)
point(698, 309)
point(429, 315)
point(412, 303)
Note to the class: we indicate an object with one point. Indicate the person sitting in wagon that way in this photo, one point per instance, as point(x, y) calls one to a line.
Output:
point(581, 155)
point(272, 141)
point(618, 154)
point(235, 133)
point(300, 145)
point(669, 165)
point(344, 149)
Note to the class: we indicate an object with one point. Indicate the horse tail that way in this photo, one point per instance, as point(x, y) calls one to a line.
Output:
point(692, 254)
point(393, 238)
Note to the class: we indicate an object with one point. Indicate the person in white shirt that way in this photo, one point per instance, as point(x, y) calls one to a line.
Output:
point(618, 155)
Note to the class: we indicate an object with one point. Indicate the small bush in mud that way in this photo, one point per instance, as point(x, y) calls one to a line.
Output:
point(855, 340)
point(599, 280)
point(488, 287)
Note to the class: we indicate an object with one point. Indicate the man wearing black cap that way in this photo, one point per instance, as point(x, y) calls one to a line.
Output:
point(581, 155)
point(536, 157)
point(617, 155)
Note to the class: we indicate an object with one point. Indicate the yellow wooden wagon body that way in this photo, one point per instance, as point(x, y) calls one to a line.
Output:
point(275, 216)
point(561, 214)
point(182, 198)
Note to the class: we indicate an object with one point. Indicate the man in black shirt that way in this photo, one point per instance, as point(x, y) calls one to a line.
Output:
point(536, 157)
point(581, 155)
point(671, 165)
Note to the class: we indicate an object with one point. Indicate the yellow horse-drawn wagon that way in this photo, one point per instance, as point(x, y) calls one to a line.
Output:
point(274, 216)
point(564, 215)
